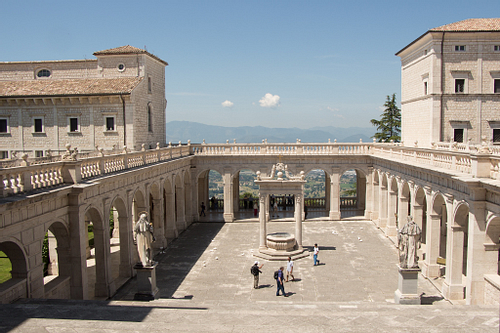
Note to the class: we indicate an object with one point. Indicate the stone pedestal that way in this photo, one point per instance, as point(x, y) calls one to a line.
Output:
point(146, 283)
point(407, 292)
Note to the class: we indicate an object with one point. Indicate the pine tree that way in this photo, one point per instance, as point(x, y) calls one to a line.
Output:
point(389, 126)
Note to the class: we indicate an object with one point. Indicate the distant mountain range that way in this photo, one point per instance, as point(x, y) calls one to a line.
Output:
point(196, 132)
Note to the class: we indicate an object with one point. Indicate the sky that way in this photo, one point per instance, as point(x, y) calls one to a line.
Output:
point(301, 64)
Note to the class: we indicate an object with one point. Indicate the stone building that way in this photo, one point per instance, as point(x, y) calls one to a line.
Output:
point(113, 101)
point(451, 84)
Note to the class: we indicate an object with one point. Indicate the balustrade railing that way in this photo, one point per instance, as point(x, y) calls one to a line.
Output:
point(481, 161)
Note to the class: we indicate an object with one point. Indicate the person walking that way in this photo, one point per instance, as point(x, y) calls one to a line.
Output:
point(255, 209)
point(315, 255)
point(255, 270)
point(202, 208)
point(279, 282)
point(289, 269)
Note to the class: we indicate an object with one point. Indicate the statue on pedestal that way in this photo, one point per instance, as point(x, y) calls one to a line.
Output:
point(408, 244)
point(144, 237)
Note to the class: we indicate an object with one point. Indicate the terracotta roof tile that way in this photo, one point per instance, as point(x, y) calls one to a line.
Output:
point(127, 49)
point(478, 24)
point(68, 87)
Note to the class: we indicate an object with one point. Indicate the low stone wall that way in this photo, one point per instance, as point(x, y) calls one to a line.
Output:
point(58, 288)
point(491, 289)
point(12, 290)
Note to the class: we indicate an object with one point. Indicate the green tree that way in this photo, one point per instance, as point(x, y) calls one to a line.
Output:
point(389, 126)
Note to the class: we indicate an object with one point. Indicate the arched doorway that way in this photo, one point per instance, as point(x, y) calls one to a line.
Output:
point(248, 194)
point(315, 203)
point(436, 238)
point(15, 273)
point(169, 211)
point(352, 193)
point(211, 193)
point(57, 262)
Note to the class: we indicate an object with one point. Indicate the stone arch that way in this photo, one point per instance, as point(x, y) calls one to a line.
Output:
point(316, 201)
point(17, 286)
point(437, 235)
point(392, 205)
point(98, 266)
point(404, 204)
point(492, 244)
point(121, 244)
point(383, 196)
point(357, 203)
point(375, 189)
point(244, 203)
point(214, 205)
point(57, 280)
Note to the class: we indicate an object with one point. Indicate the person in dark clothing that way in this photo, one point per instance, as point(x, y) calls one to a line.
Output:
point(280, 283)
point(202, 208)
point(255, 270)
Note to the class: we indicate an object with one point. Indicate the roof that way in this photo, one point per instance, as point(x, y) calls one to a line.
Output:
point(68, 87)
point(127, 49)
point(478, 24)
point(469, 25)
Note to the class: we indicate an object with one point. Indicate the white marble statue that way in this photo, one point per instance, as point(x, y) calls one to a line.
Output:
point(408, 244)
point(144, 237)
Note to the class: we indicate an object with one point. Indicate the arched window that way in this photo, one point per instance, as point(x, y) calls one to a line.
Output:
point(43, 73)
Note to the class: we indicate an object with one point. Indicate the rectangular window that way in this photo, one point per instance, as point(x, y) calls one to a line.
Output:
point(496, 48)
point(73, 124)
point(496, 86)
point(425, 88)
point(149, 85)
point(459, 85)
point(110, 123)
point(38, 153)
point(460, 48)
point(38, 125)
point(496, 135)
point(458, 135)
point(4, 154)
point(4, 125)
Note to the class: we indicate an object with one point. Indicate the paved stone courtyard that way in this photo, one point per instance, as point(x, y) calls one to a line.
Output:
point(206, 286)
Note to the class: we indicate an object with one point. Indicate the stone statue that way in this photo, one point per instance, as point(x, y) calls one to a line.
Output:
point(408, 244)
point(144, 237)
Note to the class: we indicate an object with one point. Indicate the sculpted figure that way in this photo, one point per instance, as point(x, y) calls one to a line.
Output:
point(144, 237)
point(408, 244)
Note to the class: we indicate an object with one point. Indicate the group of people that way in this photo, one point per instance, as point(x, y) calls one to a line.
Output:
point(279, 275)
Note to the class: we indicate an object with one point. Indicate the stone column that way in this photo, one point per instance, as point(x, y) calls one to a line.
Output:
point(328, 193)
point(79, 241)
point(228, 197)
point(375, 199)
point(158, 230)
point(266, 206)
point(181, 217)
point(452, 287)
point(479, 261)
point(104, 285)
point(262, 221)
point(298, 220)
point(382, 205)
point(171, 227)
point(236, 193)
point(402, 212)
point(126, 246)
point(369, 194)
point(53, 267)
point(334, 213)
point(431, 268)
point(392, 197)
point(195, 204)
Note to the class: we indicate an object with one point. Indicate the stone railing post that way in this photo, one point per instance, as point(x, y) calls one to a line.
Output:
point(25, 176)
point(227, 148)
point(72, 172)
point(101, 162)
point(480, 165)
point(170, 147)
point(158, 152)
point(190, 152)
point(143, 149)
point(180, 148)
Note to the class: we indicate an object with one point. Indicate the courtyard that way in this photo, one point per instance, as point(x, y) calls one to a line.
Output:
point(206, 286)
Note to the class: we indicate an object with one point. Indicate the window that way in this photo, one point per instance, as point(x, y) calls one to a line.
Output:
point(496, 135)
point(4, 125)
point(37, 125)
point(496, 86)
point(4, 154)
point(425, 88)
point(459, 85)
point(110, 123)
point(150, 119)
point(121, 67)
point(73, 124)
point(149, 84)
point(38, 153)
point(460, 48)
point(458, 135)
point(496, 48)
point(43, 73)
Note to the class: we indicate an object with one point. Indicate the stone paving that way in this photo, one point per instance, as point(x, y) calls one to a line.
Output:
point(206, 286)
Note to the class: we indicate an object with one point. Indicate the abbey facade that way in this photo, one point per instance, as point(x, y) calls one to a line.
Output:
point(452, 190)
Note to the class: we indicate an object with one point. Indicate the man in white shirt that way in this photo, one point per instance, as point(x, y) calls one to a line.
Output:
point(289, 269)
point(315, 256)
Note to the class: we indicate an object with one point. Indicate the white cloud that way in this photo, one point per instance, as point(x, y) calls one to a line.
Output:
point(227, 104)
point(270, 101)
point(335, 112)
